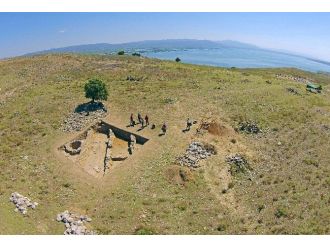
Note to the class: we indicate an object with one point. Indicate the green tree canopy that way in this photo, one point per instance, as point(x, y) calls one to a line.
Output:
point(121, 52)
point(177, 59)
point(96, 90)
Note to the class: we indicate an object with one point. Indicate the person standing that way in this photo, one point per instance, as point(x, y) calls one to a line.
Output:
point(164, 128)
point(132, 122)
point(139, 118)
point(147, 120)
point(189, 124)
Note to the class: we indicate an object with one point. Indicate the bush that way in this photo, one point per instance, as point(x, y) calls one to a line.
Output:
point(177, 60)
point(121, 53)
point(136, 54)
point(280, 213)
point(96, 90)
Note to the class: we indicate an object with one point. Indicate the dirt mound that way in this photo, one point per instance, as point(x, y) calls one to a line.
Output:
point(178, 175)
point(214, 127)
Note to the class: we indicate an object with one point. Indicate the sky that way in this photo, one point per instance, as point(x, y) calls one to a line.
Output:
point(302, 33)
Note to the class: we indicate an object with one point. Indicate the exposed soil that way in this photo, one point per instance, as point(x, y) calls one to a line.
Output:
point(214, 127)
point(179, 175)
point(88, 150)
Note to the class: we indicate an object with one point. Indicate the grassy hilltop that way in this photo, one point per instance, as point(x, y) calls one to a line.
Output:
point(286, 191)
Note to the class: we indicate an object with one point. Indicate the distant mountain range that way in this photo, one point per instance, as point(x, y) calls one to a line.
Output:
point(154, 45)
point(162, 45)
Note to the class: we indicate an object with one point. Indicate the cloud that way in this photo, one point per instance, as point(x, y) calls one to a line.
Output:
point(62, 31)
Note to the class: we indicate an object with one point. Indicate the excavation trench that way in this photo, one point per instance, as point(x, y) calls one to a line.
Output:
point(102, 146)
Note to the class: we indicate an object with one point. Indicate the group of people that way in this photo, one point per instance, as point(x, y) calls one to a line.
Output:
point(141, 120)
point(145, 122)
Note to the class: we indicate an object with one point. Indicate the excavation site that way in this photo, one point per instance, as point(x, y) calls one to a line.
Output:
point(101, 147)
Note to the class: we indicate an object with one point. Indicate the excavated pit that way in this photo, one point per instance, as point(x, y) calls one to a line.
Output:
point(102, 146)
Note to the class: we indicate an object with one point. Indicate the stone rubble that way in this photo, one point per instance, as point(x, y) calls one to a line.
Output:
point(134, 79)
point(194, 153)
point(249, 127)
point(293, 78)
point(238, 163)
point(22, 203)
point(73, 147)
point(131, 144)
point(107, 157)
point(74, 224)
point(84, 116)
point(292, 90)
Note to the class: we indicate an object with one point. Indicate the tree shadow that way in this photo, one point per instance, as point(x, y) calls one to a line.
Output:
point(90, 107)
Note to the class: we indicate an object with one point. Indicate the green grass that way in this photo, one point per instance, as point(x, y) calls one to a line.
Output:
point(289, 190)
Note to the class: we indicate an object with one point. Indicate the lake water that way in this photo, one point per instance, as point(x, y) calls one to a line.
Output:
point(240, 58)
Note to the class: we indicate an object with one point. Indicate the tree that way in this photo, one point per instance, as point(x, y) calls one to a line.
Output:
point(121, 52)
point(96, 90)
point(177, 60)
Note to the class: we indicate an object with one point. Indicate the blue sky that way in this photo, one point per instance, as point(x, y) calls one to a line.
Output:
point(304, 33)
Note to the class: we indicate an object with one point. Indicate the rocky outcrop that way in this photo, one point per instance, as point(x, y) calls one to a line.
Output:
point(22, 203)
point(196, 152)
point(74, 224)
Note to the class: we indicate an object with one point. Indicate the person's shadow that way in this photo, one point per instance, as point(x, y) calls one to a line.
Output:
point(141, 128)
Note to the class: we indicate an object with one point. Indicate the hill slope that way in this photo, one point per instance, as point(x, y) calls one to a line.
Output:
point(285, 191)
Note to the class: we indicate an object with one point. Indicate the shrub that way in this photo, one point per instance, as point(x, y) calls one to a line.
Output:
point(280, 213)
point(121, 53)
point(136, 54)
point(177, 60)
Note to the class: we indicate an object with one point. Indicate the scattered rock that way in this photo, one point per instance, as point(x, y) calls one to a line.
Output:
point(293, 78)
point(196, 152)
point(292, 90)
point(134, 79)
point(74, 223)
point(326, 127)
point(84, 115)
point(22, 203)
point(237, 164)
point(73, 147)
point(249, 127)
